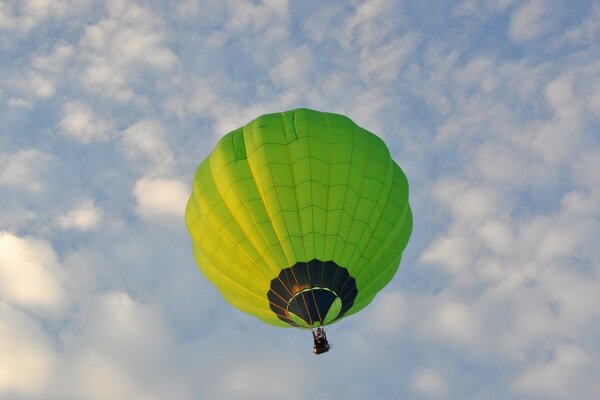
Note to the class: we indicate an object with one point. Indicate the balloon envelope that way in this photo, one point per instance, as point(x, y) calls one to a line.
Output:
point(299, 218)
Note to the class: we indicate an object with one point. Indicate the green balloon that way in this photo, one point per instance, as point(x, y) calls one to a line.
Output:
point(299, 218)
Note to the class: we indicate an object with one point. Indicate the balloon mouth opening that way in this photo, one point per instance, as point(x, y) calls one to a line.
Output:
point(313, 306)
point(312, 293)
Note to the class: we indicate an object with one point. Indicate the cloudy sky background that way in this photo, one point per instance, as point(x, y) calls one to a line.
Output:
point(492, 108)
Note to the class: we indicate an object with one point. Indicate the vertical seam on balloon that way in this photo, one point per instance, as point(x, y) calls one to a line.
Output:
point(346, 188)
point(244, 204)
point(362, 182)
point(203, 210)
point(246, 233)
point(321, 319)
point(211, 263)
point(311, 191)
point(367, 266)
point(217, 233)
point(296, 201)
point(396, 232)
point(329, 145)
point(289, 156)
point(262, 201)
point(270, 216)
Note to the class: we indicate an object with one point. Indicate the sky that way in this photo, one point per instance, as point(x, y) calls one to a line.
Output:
point(491, 108)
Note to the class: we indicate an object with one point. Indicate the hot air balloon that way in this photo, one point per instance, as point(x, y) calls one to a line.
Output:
point(299, 218)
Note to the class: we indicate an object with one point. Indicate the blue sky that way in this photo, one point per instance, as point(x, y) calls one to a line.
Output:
point(491, 107)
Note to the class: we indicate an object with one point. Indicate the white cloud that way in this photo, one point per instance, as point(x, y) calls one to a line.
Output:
point(80, 122)
point(388, 314)
point(563, 234)
point(368, 25)
point(146, 145)
point(16, 216)
point(98, 376)
point(25, 169)
point(19, 102)
point(22, 16)
point(468, 201)
point(585, 171)
point(453, 321)
point(122, 348)
point(245, 380)
point(323, 24)
point(505, 164)
point(85, 217)
point(268, 16)
point(557, 138)
point(453, 252)
point(30, 274)
point(39, 85)
point(384, 63)
point(212, 99)
point(588, 32)
point(429, 382)
point(479, 71)
point(56, 61)
point(466, 7)
point(529, 21)
point(569, 373)
point(43, 77)
point(27, 360)
point(160, 197)
point(480, 8)
point(295, 69)
point(114, 49)
point(500, 148)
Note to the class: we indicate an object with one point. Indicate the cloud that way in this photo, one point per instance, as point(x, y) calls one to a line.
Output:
point(119, 348)
point(27, 360)
point(25, 169)
point(385, 62)
point(498, 292)
point(389, 314)
point(213, 99)
point(468, 201)
point(85, 217)
point(39, 76)
point(480, 8)
point(160, 197)
point(429, 382)
point(295, 69)
point(30, 273)
point(528, 22)
point(587, 33)
point(55, 61)
point(322, 25)
point(23, 16)
point(115, 49)
point(146, 145)
point(19, 102)
point(246, 380)
point(38, 85)
point(584, 171)
point(81, 123)
point(568, 373)
point(368, 25)
point(267, 17)
point(453, 321)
